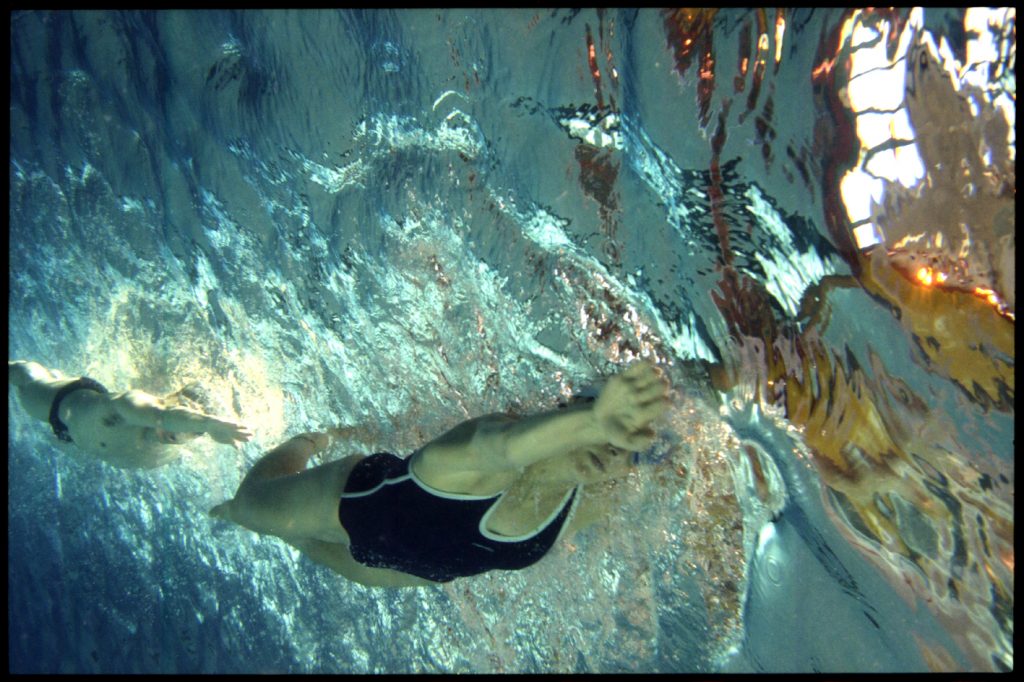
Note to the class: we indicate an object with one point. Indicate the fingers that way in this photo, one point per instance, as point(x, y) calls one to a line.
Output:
point(642, 439)
point(644, 376)
point(229, 433)
point(636, 370)
point(651, 394)
point(648, 385)
point(648, 398)
point(652, 406)
point(239, 432)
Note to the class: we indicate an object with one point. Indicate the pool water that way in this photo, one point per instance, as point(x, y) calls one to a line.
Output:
point(398, 220)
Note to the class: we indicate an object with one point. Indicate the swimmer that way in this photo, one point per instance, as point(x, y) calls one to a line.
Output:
point(129, 430)
point(492, 493)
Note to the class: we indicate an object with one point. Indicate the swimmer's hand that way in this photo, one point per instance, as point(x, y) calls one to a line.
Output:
point(629, 403)
point(227, 432)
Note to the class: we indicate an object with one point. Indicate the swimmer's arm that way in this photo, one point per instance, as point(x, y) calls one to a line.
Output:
point(339, 559)
point(139, 408)
point(539, 437)
point(498, 443)
point(621, 416)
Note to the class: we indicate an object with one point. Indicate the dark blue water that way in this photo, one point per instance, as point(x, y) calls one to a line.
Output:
point(403, 219)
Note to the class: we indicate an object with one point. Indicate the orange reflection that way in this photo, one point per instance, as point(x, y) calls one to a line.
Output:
point(689, 33)
point(902, 488)
point(962, 334)
point(936, 518)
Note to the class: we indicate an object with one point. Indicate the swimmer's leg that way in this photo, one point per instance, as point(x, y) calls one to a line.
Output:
point(21, 373)
point(36, 386)
point(281, 497)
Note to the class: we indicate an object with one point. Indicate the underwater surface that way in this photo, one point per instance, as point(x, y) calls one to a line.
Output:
point(398, 220)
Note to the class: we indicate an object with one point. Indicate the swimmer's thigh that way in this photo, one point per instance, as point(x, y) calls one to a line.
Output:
point(302, 505)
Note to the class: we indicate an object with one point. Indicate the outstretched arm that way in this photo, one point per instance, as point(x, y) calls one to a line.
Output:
point(142, 409)
point(621, 416)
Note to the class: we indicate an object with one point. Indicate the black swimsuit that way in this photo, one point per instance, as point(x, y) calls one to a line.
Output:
point(396, 521)
point(60, 429)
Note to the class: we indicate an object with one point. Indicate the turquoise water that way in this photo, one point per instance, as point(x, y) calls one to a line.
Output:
point(400, 220)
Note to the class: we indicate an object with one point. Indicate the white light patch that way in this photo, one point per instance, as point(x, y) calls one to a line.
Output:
point(207, 281)
point(543, 230)
point(943, 56)
point(787, 276)
point(660, 172)
point(915, 19)
point(780, 32)
point(862, 35)
point(882, 164)
point(128, 205)
point(859, 190)
point(874, 129)
point(900, 125)
point(914, 23)
point(909, 165)
point(949, 62)
point(881, 89)
point(901, 164)
point(910, 240)
point(981, 47)
point(684, 338)
point(457, 132)
point(867, 58)
point(336, 179)
point(445, 94)
point(984, 54)
point(766, 535)
point(866, 236)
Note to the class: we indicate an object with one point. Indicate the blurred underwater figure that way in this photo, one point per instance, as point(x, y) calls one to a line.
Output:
point(937, 251)
point(129, 430)
point(492, 493)
point(935, 517)
point(933, 513)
